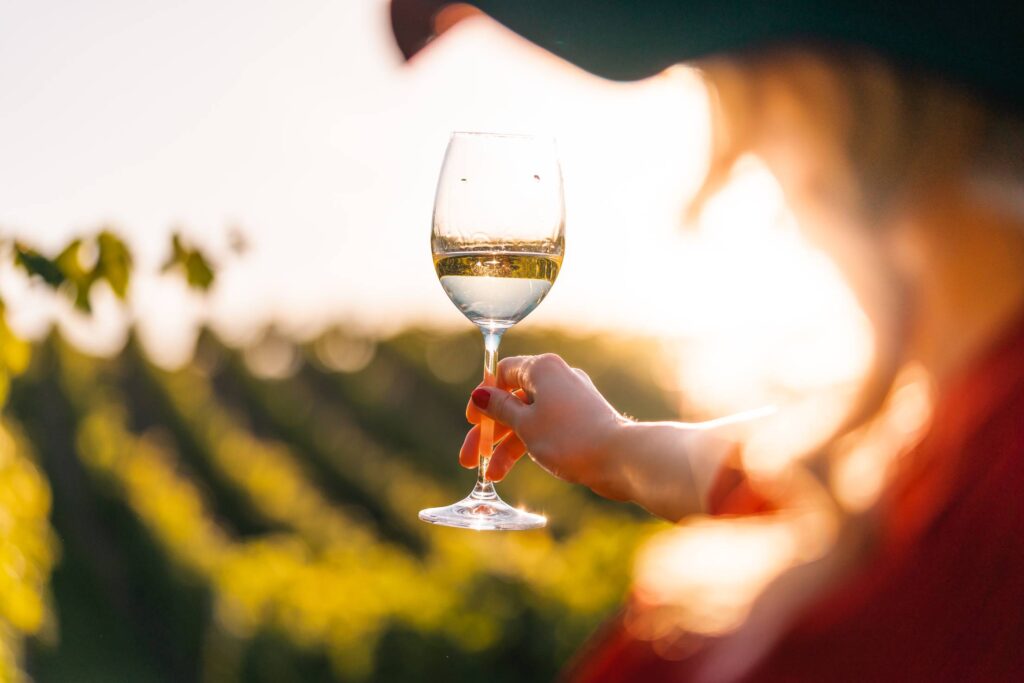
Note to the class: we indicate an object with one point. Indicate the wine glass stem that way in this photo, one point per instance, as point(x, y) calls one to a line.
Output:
point(485, 489)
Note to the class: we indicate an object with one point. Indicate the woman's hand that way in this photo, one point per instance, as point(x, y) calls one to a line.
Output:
point(554, 412)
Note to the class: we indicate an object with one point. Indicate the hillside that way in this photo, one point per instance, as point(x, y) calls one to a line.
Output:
point(252, 517)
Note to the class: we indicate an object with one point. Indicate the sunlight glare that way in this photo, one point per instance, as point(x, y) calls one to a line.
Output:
point(705, 575)
point(764, 317)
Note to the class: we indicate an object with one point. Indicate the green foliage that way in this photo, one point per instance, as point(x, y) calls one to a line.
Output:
point(114, 263)
point(14, 354)
point(339, 581)
point(28, 545)
point(104, 257)
point(79, 266)
point(196, 267)
point(230, 522)
point(36, 264)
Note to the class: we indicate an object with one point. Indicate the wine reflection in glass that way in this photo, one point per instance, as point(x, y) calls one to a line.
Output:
point(498, 239)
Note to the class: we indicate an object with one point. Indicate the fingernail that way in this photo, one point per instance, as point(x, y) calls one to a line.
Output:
point(481, 397)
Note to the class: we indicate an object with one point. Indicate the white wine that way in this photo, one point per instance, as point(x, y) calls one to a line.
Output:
point(497, 236)
point(496, 289)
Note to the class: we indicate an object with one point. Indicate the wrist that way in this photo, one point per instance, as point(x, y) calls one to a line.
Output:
point(652, 464)
point(610, 476)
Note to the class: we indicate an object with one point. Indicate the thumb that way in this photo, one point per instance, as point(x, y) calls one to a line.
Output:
point(500, 405)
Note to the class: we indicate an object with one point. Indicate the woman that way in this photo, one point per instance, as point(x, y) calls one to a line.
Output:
point(890, 547)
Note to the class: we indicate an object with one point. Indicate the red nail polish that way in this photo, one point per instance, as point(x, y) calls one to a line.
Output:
point(481, 397)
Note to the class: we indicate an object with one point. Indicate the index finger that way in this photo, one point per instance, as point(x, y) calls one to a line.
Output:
point(473, 414)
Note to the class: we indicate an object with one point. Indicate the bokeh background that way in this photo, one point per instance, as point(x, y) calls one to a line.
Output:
point(220, 483)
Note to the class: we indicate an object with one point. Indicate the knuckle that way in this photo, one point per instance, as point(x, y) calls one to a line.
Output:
point(509, 360)
point(548, 362)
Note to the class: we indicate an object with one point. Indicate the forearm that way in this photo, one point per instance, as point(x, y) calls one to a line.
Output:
point(665, 467)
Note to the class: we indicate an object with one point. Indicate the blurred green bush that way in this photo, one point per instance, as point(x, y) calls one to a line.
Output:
point(252, 516)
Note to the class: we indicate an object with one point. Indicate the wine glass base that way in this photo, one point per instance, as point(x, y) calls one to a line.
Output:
point(483, 514)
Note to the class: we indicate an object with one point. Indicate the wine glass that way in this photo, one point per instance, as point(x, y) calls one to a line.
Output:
point(498, 239)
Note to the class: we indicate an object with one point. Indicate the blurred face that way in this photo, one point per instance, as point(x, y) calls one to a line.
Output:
point(792, 111)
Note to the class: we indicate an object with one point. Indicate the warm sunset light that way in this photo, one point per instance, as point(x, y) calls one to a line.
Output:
point(397, 340)
point(348, 169)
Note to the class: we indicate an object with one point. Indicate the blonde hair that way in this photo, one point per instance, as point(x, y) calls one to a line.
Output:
point(848, 130)
point(876, 134)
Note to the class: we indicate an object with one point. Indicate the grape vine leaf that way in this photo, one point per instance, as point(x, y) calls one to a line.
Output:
point(198, 271)
point(35, 264)
point(114, 262)
point(79, 266)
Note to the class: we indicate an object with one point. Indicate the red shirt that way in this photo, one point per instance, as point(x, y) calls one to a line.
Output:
point(943, 597)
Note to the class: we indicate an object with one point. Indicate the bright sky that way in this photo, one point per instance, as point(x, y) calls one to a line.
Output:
point(298, 123)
